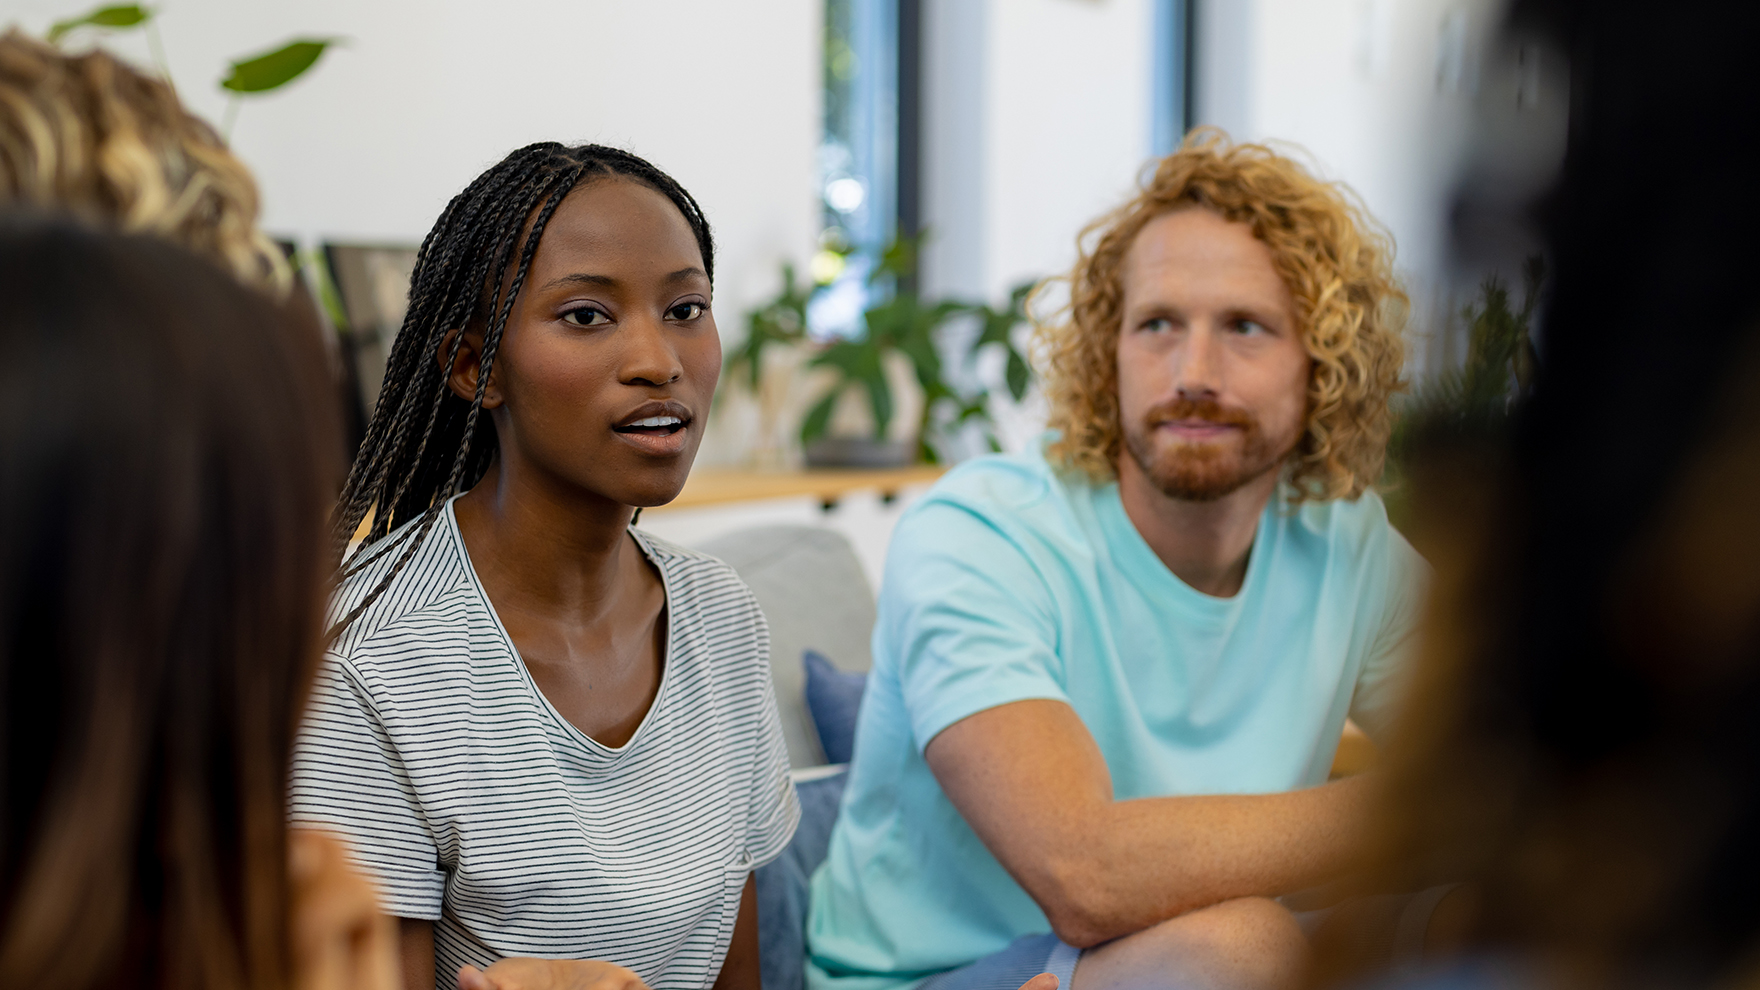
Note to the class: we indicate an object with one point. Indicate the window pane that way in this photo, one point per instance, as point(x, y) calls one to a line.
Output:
point(858, 157)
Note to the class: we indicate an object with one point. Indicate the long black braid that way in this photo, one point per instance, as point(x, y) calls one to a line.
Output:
point(424, 443)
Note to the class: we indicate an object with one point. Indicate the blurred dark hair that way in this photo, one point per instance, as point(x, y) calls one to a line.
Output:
point(167, 458)
point(1585, 743)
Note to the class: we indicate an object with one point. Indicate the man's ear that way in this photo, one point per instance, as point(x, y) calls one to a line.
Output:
point(462, 376)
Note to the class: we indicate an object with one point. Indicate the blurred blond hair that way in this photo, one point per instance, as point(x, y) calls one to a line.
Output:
point(91, 135)
point(1337, 264)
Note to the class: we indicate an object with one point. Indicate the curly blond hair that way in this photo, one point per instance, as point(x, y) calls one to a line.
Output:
point(1337, 264)
point(90, 135)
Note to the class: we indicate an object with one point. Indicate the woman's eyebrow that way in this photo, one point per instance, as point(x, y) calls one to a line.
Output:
point(607, 282)
point(684, 274)
point(581, 278)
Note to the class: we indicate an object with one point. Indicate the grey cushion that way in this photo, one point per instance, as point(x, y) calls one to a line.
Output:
point(834, 698)
point(815, 596)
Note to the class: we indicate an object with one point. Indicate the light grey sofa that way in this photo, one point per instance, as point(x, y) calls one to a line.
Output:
point(815, 596)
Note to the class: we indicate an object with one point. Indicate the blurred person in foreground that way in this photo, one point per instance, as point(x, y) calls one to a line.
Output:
point(1110, 674)
point(1583, 752)
point(90, 135)
point(166, 462)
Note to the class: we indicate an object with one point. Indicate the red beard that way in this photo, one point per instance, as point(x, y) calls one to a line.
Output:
point(1203, 472)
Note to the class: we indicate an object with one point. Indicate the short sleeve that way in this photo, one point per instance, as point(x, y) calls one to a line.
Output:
point(775, 809)
point(968, 618)
point(349, 779)
point(1383, 677)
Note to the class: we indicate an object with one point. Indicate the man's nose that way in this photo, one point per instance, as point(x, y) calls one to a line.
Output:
point(649, 357)
point(1200, 364)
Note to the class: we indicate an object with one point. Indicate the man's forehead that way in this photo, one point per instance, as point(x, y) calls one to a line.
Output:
point(1197, 251)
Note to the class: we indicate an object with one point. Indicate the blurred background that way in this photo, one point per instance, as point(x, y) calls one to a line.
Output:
point(911, 163)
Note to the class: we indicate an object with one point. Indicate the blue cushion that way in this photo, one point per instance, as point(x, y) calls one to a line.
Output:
point(782, 885)
point(833, 698)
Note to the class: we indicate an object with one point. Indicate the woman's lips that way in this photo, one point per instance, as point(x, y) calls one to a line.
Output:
point(656, 441)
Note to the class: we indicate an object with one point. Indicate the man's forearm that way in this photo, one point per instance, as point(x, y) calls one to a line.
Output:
point(1032, 784)
point(1135, 863)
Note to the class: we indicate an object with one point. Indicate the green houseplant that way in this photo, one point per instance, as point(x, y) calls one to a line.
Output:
point(1498, 371)
point(256, 74)
point(903, 324)
point(1468, 408)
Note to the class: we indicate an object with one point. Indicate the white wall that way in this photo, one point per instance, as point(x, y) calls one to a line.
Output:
point(1378, 93)
point(1036, 120)
point(425, 95)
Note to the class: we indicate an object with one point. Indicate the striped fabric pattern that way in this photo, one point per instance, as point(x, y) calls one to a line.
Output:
point(474, 803)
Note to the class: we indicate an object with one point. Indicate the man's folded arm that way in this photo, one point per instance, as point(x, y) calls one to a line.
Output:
point(1030, 780)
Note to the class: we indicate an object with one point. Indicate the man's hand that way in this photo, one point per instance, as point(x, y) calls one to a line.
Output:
point(549, 974)
point(1030, 780)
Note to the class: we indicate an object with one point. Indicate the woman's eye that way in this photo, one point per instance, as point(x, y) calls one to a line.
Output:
point(685, 312)
point(1248, 328)
point(586, 316)
point(1159, 324)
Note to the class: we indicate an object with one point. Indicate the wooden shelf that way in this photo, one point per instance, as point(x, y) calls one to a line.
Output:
point(716, 486)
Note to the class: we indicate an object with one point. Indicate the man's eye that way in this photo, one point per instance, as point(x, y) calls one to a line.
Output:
point(1248, 328)
point(685, 312)
point(586, 316)
point(1159, 324)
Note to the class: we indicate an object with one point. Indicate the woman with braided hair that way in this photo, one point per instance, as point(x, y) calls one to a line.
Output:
point(545, 733)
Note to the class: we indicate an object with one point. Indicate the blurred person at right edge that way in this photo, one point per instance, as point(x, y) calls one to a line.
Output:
point(1583, 750)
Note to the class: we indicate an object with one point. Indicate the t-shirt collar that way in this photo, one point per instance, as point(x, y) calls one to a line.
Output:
point(1138, 560)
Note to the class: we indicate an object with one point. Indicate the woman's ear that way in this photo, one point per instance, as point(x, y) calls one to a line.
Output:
point(466, 366)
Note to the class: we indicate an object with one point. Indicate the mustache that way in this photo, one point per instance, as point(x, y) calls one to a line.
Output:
point(1207, 410)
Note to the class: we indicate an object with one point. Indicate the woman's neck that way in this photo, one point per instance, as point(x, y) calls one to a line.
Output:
point(547, 548)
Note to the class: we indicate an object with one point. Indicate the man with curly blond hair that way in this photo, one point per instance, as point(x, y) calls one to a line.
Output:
point(1110, 674)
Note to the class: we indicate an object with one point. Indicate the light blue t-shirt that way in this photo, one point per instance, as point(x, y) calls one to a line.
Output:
point(1010, 581)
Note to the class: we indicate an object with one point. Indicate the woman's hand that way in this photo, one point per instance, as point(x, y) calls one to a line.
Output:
point(339, 938)
point(549, 974)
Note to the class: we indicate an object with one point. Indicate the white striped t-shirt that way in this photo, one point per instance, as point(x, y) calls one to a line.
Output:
point(473, 802)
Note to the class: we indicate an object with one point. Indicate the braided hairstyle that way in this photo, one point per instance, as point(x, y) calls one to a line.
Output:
point(424, 443)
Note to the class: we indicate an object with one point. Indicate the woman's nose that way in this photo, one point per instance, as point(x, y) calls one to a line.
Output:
point(649, 357)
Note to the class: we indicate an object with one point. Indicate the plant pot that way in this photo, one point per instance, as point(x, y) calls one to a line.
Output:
point(857, 452)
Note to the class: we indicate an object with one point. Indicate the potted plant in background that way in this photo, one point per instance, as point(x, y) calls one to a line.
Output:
point(905, 330)
point(764, 365)
point(1467, 410)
